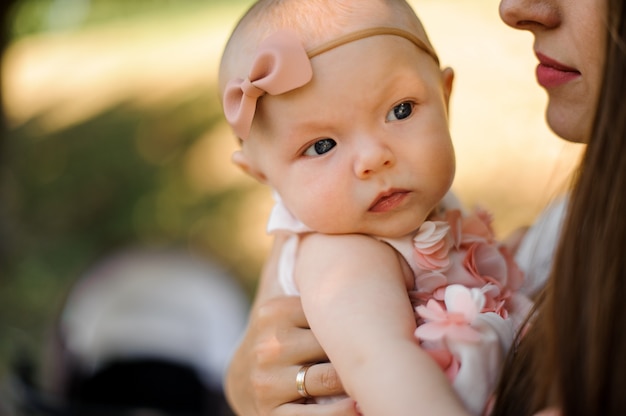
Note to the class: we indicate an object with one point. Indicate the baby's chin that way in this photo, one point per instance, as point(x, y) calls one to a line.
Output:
point(381, 227)
point(394, 231)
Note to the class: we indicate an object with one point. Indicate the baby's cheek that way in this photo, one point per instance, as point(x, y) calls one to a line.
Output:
point(443, 168)
point(326, 211)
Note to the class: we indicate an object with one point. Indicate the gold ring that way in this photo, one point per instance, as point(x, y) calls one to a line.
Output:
point(300, 381)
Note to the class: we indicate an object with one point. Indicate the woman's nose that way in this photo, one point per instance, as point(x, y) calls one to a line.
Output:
point(373, 158)
point(530, 14)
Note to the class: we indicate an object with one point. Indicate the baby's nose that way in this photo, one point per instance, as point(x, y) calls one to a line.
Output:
point(373, 159)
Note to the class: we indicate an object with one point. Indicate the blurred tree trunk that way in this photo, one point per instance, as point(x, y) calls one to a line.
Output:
point(5, 7)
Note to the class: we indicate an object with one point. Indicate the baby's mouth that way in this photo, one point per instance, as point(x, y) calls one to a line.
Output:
point(388, 200)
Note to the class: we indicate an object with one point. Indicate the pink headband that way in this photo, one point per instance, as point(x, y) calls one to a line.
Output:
point(281, 65)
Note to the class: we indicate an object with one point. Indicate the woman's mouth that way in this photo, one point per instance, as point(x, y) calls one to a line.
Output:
point(551, 73)
point(389, 200)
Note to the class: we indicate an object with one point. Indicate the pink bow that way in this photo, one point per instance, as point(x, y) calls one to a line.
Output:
point(280, 65)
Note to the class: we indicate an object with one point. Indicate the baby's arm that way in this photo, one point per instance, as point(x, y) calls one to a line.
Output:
point(354, 294)
point(261, 375)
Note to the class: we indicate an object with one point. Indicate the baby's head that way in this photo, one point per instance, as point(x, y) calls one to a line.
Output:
point(310, 86)
point(314, 21)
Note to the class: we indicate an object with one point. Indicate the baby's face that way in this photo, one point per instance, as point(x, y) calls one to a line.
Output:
point(365, 146)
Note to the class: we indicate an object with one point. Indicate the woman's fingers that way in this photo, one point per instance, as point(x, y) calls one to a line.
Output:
point(262, 376)
point(254, 381)
point(344, 407)
point(321, 380)
point(281, 354)
point(283, 337)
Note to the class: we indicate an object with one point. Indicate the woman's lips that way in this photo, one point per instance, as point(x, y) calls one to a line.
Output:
point(551, 73)
point(388, 201)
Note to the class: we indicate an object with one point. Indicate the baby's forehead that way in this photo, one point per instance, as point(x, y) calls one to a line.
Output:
point(246, 45)
point(314, 22)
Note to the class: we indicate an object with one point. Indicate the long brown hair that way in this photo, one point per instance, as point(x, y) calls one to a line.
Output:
point(574, 354)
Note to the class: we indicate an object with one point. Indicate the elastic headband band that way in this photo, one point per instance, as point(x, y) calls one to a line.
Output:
point(281, 64)
point(374, 31)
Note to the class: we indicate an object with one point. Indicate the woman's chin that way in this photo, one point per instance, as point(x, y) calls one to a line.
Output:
point(568, 124)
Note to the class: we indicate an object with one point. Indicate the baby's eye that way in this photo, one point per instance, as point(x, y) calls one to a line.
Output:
point(401, 111)
point(320, 147)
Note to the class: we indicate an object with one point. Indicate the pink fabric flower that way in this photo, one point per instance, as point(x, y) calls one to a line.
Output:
point(466, 277)
point(515, 274)
point(462, 250)
point(459, 273)
point(485, 261)
point(432, 246)
point(462, 306)
point(454, 219)
point(495, 299)
point(477, 227)
point(430, 281)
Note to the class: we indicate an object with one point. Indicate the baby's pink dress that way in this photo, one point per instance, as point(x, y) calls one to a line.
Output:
point(468, 307)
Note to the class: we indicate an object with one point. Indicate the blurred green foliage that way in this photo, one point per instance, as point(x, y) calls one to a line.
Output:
point(37, 16)
point(70, 196)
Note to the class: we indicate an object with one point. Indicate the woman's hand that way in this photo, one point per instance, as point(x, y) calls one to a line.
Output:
point(261, 379)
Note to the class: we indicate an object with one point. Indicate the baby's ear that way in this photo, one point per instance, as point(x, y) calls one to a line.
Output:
point(447, 77)
point(241, 160)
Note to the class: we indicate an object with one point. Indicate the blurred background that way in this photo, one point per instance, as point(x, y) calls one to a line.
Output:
point(113, 138)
